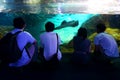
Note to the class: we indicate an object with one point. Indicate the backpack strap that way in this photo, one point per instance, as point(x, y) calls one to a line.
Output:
point(57, 43)
point(25, 46)
point(17, 33)
point(27, 52)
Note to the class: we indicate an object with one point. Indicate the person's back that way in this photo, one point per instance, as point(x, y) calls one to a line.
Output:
point(23, 39)
point(108, 44)
point(81, 47)
point(106, 47)
point(50, 42)
point(80, 44)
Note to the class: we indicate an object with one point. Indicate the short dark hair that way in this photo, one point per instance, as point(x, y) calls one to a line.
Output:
point(101, 27)
point(82, 32)
point(18, 22)
point(49, 26)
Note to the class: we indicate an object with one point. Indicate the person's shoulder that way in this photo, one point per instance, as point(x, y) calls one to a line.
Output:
point(25, 33)
point(99, 35)
point(44, 33)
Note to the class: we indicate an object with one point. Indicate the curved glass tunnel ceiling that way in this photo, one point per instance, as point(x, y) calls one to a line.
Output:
point(61, 6)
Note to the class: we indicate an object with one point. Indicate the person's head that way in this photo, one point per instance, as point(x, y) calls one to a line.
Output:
point(100, 27)
point(49, 26)
point(82, 32)
point(19, 23)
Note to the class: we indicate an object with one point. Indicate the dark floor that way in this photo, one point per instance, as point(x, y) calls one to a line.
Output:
point(65, 71)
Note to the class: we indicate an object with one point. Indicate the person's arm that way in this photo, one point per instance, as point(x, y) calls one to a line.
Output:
point(98, 49)
point(35, 42)
point(96, 45)
point(30, 47)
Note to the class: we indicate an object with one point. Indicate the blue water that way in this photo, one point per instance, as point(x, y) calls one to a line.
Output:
point(35, 23)
point(68, 33)
point(36, 15)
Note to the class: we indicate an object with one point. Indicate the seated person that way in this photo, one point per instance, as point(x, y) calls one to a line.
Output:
point(50, 42)
point(23, 39)
point(106, 47)
point(81, 47)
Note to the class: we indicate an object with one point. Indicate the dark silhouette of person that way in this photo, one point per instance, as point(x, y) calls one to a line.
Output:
point(81, 47)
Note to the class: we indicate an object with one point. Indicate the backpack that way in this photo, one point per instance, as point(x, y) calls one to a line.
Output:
point(9, 50)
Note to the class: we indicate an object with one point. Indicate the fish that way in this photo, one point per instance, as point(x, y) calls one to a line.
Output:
point(64, 24)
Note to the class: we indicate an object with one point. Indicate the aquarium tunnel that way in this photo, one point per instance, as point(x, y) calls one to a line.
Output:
point(76, 14)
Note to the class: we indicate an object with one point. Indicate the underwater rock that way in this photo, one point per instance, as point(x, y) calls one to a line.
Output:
point(114, 21)
point(4, 30)
point(91, 23)
point(114, 32)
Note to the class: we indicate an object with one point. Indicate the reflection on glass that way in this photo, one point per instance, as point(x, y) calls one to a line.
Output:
point(62, 6)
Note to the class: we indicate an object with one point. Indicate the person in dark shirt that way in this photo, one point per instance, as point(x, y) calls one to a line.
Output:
point(81, 47)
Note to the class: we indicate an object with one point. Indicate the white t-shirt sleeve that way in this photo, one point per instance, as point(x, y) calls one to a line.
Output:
point(29, 37)
point(24, 38)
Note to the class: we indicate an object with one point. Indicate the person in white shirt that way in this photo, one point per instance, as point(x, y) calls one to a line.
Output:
point(106, 47)
point(49, 42)
point(23, 38)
